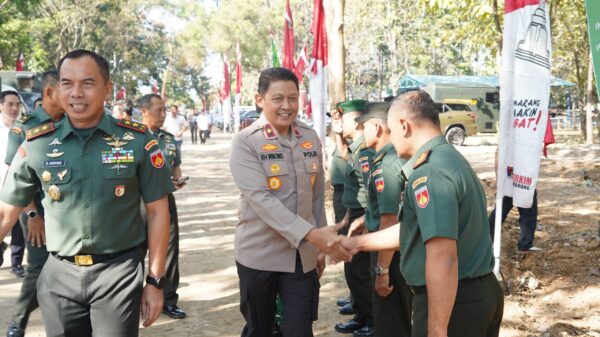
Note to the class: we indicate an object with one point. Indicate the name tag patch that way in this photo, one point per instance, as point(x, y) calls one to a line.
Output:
point(310, 154)
point(271, 156)
point(54, 163)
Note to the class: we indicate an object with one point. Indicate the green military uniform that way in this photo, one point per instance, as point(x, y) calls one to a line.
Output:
point(166, 142)
point(93, 282)
point(444, 198)
point(337, 177)
point(36, 256)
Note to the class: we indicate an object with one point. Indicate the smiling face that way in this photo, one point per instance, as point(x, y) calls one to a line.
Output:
point(82, 91)
point(279, 104)
point(10, 109)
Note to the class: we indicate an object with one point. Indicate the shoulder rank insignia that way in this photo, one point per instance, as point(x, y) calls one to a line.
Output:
point(362, 146)
point(16, 130)
point(269, 132)
point(135, 126)
point(296, 131)
point(40, 130)
point(379, 158)
point(422, 159)
point(24, 119)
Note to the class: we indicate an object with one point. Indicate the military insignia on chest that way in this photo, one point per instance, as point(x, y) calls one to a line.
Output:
point(55, 151)
point(270, 147)
point(306, 145)
point(117, 156)
point(274, 183)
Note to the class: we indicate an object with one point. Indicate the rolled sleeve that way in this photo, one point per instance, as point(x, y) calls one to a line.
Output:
point(251, 181)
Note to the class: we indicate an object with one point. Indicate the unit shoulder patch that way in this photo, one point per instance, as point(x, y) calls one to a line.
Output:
point(419, 181)
point(38, 131)
point(135, 126)
point(422, 159)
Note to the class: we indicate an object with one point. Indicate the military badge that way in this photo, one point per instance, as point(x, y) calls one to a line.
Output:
point(269, 132)
point(55, 142)
point(61, 175)
point(119, 191)
point(150, 144)
point(40, 130)
point(274, 183)
point(128, 136)
point(46, 176)
point(364, 167)
point(376, 172)
point(379, 184)
point(306, 145)
point(157, 159)
point(55, 153)
point(270, 147)
point(419, 181)
point(422, 197)
point(275, 169)
point(117, 156)
point(54, 192)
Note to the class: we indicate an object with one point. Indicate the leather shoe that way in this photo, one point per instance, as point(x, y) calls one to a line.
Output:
point(348, 327)
point(18, 271)
point(341, 302)
point(366, 331)
point(174, 312)
point(14, 331)
point(348, 309)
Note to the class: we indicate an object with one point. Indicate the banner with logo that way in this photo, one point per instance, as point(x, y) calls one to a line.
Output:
point(524, 96)
point(593, 16)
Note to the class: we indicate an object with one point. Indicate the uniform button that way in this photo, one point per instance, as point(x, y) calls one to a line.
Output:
point(85, 237)
point(86, 205)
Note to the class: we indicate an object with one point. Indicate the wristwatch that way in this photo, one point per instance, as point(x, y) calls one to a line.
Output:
point(381, 271)
point(158, 282)
point(32, 214)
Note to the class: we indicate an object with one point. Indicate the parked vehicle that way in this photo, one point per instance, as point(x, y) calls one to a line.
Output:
point(248, 118)
point(457, 122)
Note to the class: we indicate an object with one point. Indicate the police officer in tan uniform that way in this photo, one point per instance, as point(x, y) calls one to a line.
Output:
point(277, 166)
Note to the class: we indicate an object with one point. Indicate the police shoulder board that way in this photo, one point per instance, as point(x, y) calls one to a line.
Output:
point(135, 126)
point(40, 130)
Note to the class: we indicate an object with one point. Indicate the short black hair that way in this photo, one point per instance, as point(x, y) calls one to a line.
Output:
point(275, 74)
point(49, 79)
point(419, 104)
point(8, 93)
point(146, 100)
point(100, 61)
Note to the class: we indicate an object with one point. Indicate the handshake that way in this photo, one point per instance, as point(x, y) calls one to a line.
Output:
point(339, 248)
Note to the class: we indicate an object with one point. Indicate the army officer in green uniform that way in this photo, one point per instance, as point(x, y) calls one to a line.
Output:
point(93, 169)
point(153, 116)
point(445, 245)
point(392, 299)
point(32, 217)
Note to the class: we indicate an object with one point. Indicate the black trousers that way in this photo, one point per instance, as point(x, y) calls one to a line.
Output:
point(527, 221)
point(338, 208)
point(92, 301)
point(392, 314)
point(203, 136)
point(27, 301)
point(299, 293)
point(358, 278)
point(194, 132)
point(477, 310)
point(17, 245)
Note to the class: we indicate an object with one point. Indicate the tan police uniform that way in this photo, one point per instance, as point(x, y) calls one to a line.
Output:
point(282, 183)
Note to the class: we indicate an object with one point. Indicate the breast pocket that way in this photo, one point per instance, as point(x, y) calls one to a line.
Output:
point(58, 186)
point(277, 174)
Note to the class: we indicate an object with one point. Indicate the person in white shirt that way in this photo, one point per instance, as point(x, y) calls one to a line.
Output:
point(203, 125)
point(177, 125)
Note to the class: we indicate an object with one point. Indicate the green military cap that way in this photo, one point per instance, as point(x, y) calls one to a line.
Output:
point(350, 106)
point(374, 110)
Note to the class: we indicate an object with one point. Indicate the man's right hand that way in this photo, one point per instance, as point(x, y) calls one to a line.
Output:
point(36, 231)
point(336, 122)
point(326, 240)
point(382, 285)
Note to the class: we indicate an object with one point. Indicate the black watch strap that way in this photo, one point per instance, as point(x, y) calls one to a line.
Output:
point(158, 282)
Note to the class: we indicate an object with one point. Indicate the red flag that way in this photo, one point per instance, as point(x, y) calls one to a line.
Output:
point(238, 69)
point(122, 93)
point(288, 38)
point(226, 85)
point(319, 32)
point(548, 137)
point(20, 62)
point(301, 64)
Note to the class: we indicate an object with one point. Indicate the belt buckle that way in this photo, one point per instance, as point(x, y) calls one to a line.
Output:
point(84, 260)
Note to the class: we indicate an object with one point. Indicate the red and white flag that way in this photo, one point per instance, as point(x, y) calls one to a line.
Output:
point(301, 64)
point(288, 38)
point(318, 70)
point(238, 87)
point(524, 96)
point(225, 96)
point(20, 64)
point(122, 93)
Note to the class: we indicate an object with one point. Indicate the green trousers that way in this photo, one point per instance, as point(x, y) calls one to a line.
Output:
point(477, 310)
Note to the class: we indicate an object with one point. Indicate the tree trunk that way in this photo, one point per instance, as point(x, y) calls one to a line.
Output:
point(589, 139)
point(334, 17)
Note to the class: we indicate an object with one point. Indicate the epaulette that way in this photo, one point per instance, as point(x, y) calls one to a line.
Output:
point(379, 158)
point(362, 146)
point(16, 130)
point(422, 159)
point(135, 126)
point(269, 132)
point(40, 130)
point(24, 119)
point(296, 131)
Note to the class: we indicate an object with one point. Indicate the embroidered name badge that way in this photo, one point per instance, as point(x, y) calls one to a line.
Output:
point(117, 156)
point(150, 144)
point(310, 154)
point(54, 163)
point(271, 156)
point(419, 181)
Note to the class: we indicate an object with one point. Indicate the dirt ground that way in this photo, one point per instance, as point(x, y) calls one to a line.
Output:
point(552, 294)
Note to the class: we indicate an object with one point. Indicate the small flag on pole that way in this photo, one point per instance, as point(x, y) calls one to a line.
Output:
point(20, 66)
point(288, 38)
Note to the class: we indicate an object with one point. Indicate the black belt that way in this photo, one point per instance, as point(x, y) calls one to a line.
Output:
point(92, 259)
point(461, 283)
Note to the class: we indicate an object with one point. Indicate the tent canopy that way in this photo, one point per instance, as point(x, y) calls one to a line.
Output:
point(418, 81)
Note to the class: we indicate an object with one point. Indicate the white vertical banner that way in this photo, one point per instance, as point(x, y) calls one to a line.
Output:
point(317, 87)
point(524, 97)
